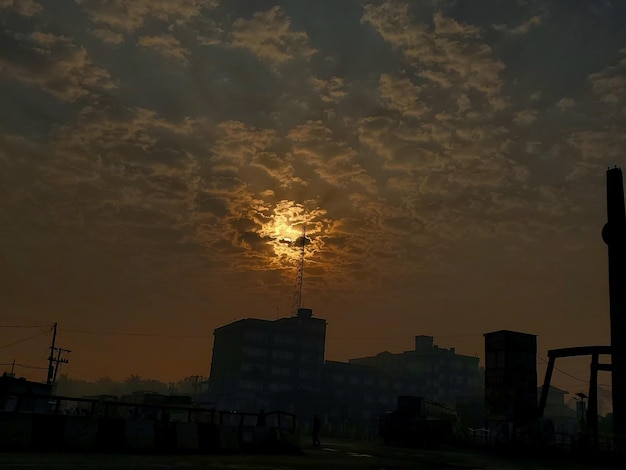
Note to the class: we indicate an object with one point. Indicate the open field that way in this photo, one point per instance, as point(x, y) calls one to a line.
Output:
point(330, 455)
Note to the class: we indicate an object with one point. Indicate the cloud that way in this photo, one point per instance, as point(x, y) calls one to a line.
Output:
point(597, 149)
point(240, 145)
point(21, 7)
point(108, 36)
point(57, 65)
point(334, 162)
point(166, 45)
point(449, 27)
point(610, 83)
point(565, 103)
point(401, 95)
point(436, 53)
point(269, 36)
point(331, 90)
point(129, 15)
point(522, 28)
point(525, 117)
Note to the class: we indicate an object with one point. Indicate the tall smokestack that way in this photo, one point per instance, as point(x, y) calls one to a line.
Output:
point(614, 235)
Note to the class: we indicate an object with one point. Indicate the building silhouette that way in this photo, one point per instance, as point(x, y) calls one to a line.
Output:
point(280, 365)
point(510, 380)
point(563, 418)
point(261, 363)
point(432, 372)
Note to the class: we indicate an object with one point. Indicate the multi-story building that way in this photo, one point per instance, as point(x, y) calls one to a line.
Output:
point(429, 371)
point(261, 363)
point(280, 364)
point(354, 396)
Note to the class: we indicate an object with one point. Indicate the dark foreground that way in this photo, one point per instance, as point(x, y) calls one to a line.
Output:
point(330, 455)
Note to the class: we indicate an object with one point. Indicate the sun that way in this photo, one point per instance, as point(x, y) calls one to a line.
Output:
point(283, 229)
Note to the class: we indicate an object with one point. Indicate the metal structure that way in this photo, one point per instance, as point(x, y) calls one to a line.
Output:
point(614, 235)
point(592, 404)
point(297, 292)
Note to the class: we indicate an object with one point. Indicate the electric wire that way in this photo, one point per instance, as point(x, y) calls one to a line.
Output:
point(25, 366)
point(23, 326)
point(126, 333)
point(41, 333)
point(568, 374)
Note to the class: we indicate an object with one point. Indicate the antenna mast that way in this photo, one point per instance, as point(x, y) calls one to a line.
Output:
point(297, 292)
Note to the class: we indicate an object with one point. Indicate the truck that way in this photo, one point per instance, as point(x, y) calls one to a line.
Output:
point(417, 421)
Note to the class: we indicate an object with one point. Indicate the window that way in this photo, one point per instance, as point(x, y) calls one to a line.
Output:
point(278, 387)
point(250, 385)
point(285, 355)
point(284, 339)
point(256, 352)
point(307, 374)
point(500, 359)
point(284, 371)
point(253, 334)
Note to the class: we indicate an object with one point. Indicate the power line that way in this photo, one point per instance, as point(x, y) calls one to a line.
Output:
point(567, 373)
point(122, 333)
point(26, 366)
point(24, 339)
point(23, 326)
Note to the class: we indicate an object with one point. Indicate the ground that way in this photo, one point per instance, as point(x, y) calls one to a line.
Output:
point(335, 454)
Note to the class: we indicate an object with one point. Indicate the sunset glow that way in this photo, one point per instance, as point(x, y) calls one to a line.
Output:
point(158, 159)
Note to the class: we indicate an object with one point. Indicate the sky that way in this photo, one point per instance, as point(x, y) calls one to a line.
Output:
point(447, 159)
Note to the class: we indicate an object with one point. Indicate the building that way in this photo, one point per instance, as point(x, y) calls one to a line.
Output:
point(562, 417)
point(510, 380)
point(19, 394)
point(429, 371)
point(261, 363)
point(356, 393)
point(354, 396)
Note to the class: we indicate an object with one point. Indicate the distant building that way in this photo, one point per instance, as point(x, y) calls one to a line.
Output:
point(261, 363)
point(429, 371)
point(354, 396)
point(19, 394)
point(359, 391)
point(563, 417)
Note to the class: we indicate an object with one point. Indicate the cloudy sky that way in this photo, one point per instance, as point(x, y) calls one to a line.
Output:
point(447, 159)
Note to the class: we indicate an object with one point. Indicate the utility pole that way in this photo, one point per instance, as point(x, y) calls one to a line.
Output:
point(58, 361)
point(614, 235)
point(51, 357)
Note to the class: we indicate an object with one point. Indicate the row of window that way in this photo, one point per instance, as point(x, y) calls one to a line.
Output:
point(282, 355)
point(307, 342)
point(439, 380)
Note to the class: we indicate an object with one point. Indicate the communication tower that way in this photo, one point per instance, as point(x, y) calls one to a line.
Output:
point(297, 291)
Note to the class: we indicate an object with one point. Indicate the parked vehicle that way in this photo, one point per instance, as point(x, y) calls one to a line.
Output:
point(418, 421)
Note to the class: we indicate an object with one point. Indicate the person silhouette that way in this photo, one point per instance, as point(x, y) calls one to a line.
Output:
point(316, 430)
